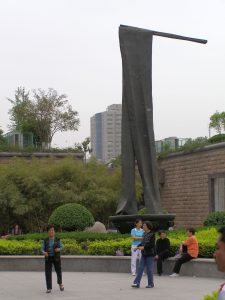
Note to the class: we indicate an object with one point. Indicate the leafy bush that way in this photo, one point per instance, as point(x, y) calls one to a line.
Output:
point(71, 217)
point(218, 138)
point(213, 296)
point(104, 244)
point(142, 211)
point(76, 235)
point(215, 219)
point(31, 189)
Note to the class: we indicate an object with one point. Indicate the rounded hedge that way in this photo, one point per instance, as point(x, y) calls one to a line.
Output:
point(71, 217)
point(216, 218)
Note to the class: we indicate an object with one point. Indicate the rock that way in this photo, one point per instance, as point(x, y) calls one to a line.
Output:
point(97, 227)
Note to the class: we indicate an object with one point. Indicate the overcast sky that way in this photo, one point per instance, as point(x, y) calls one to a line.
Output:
point(73, 47)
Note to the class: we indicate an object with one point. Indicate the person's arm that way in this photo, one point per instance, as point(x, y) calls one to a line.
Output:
point(60, 247)
point(134, 237)
point(157, 247)
point(43, 249)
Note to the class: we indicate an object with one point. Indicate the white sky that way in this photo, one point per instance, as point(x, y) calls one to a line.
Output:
point(73, 46)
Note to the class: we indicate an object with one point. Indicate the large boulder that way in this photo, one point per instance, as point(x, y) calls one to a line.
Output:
point(97, 227)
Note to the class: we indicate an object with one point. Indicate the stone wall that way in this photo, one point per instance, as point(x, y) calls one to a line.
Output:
point(186, 182)
point(6, 157)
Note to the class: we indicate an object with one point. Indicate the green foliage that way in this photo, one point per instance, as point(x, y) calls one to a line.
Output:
point(107, 244)
point(189, 146)
point(71, 217)
point(215, 219)
point(2, 139)
point(213, 296)
point(142, 211)
point(74, 235)
point(44, 114)
point(31, 190)
point(217, 121)
point(218, 138)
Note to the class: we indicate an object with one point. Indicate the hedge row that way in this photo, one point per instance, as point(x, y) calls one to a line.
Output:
point(78, 236)
point(206, 238)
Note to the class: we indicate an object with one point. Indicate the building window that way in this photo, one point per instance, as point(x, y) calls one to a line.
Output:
point(217, 192)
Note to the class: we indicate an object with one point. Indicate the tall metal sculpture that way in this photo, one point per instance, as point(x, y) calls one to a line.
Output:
point(138, 143)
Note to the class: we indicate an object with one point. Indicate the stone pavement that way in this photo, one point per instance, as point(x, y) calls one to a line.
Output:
point(102, 286)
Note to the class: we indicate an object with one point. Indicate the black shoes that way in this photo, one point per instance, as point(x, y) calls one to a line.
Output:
point(149, 286)
point(48, 291)
point(135, 285)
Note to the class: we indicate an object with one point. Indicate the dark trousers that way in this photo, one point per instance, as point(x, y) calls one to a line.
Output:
point(148, 262)
point(183, 259)
point(51, 260)
point(160, 260)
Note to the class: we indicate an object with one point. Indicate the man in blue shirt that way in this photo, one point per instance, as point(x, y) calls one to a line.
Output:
point(51, 248)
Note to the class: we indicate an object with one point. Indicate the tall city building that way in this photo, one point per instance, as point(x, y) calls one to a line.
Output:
point(106, 133)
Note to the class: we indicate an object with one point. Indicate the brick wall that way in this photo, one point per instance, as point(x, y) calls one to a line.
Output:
point(186, 186)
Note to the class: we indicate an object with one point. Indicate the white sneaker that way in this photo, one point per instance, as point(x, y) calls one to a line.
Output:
point(133, 274)
point(174, 275)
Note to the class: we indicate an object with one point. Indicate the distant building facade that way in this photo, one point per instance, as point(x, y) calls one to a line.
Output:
point(106, 133)
point(170, 143)
point(19, 139)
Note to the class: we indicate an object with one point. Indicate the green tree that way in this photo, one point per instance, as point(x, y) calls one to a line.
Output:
point(217, 122)
point(2, 138)
point(44, 115)
point(84, 147)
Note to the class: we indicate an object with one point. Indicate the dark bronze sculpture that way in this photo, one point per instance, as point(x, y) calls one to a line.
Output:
point(138, 142)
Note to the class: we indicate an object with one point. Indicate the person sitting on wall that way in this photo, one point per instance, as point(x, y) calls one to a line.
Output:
point(219, 256)
point(192, 251)
point(162, 250)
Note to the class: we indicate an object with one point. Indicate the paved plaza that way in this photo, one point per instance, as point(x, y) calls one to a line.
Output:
point(102, 286)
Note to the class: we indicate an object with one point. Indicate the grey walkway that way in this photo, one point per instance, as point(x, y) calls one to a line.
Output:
point(112, 286)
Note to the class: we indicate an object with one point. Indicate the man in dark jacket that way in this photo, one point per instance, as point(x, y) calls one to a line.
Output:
point(162, 250)
point(51, 248)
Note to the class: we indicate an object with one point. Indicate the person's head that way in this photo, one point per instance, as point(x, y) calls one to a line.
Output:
point(190, 231)
point(138, 223)
point(219, 253)
point(147, 226)
point(162, 234)
point(51, 230)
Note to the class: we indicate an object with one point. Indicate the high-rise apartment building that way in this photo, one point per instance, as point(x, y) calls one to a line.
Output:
point(106, 133)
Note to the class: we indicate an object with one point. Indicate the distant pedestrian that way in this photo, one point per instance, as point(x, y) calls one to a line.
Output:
point(51, 248)
point(136, 235)
point(192, 251)
point(219, 256)
point(147, 247)
point(16, 230)
point(162, 251)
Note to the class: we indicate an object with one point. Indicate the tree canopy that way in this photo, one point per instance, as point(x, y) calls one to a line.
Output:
point(217, 121)
point(43, 113)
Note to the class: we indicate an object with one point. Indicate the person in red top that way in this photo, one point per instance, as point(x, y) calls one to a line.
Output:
point(192, 251)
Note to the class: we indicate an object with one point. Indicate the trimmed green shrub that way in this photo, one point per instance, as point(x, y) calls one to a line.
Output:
point(216, 218)
point(74, 235)
point(105, 244)
point(218, 138)
point(71, 217)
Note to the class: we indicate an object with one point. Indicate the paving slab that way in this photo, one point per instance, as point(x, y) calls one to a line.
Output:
point(102, 286)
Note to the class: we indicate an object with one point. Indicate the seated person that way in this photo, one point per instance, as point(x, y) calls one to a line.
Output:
point(192, 251)
point(162, 250)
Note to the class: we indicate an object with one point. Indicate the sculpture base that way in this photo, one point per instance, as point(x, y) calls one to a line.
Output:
point(124, 223)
